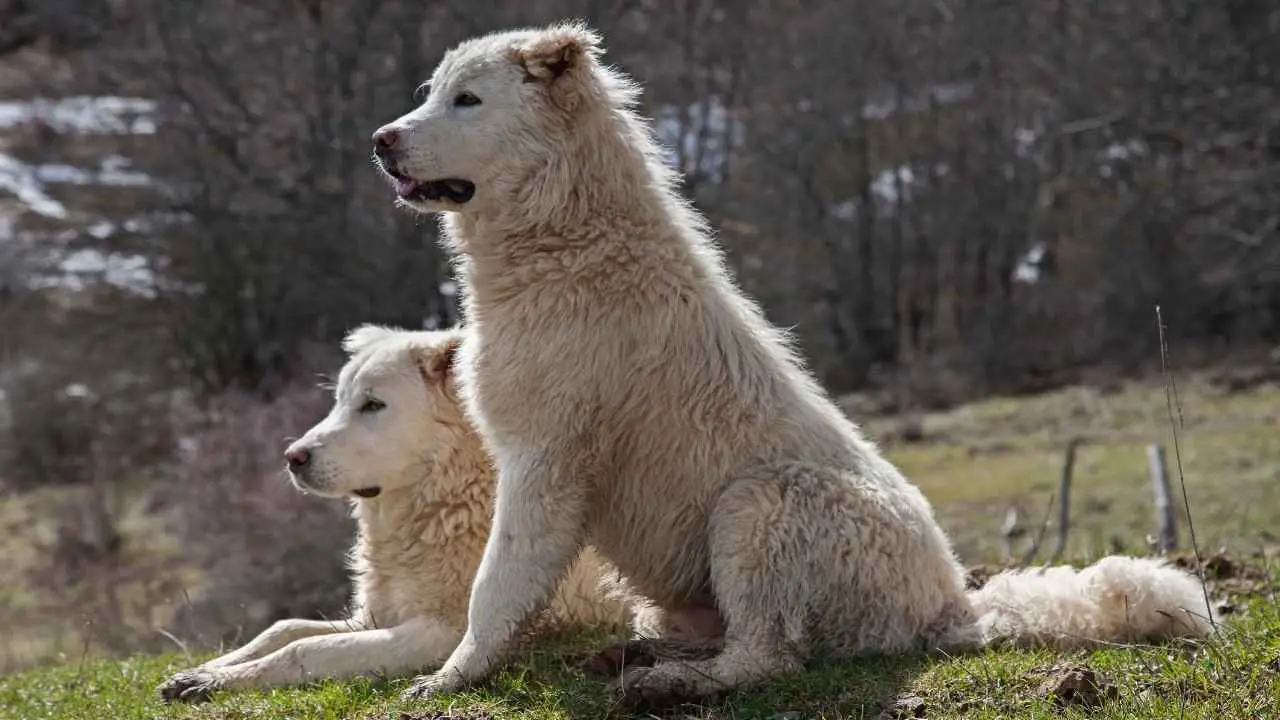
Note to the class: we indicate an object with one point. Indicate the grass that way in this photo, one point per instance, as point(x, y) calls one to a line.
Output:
point(977, 460)
point(1234, 676)
point(36, 627)
point(973, 462)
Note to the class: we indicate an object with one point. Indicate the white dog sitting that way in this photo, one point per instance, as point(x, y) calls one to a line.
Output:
point(638, 401)
point(421, 486)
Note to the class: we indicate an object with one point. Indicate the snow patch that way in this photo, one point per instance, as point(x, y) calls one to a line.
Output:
point(86, 115)
point(937, 95)
point(893, 186)
point(21, 179)
point(702, 133)
point(890, 188)
point(28, 182)
point(113, 170)
point(77, 390)
point(82, 268)
point(1024, 141)
point(1028, 268)
point(846, 210)
point(102, 229)
point(1123, 150)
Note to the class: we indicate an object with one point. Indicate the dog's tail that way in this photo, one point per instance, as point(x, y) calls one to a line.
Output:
point(1115, 600)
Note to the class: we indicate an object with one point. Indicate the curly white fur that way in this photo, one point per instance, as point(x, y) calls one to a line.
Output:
point(637, 400)
point(1116, 599)
point(419, 540)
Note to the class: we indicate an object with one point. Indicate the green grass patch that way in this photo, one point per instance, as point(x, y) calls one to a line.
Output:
point(1236, 675)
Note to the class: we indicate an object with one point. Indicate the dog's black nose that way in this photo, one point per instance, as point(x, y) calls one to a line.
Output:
point(297, 459)
point(385, 139)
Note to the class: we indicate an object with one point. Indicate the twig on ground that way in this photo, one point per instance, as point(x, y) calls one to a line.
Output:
point(186, 652)
point(84, 655)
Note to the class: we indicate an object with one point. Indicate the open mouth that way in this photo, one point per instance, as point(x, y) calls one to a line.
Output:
point(369, 492)
point(452, 189)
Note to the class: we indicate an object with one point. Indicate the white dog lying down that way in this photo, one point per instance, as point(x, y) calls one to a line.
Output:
point(422, 487)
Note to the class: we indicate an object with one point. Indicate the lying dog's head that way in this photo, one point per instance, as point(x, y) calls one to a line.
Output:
point(395, 410)
point(491, 113)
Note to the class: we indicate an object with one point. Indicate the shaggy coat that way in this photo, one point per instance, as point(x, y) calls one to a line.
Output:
point(421, 486)
point(635, 399)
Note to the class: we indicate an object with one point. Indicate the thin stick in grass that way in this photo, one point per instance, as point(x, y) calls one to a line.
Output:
point(1171, 401)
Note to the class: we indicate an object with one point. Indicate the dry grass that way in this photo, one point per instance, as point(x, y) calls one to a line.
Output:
point(976, 460)
point(208, 549)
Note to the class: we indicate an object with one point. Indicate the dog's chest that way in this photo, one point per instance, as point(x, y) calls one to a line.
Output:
point(518, 390)
point(414, 565)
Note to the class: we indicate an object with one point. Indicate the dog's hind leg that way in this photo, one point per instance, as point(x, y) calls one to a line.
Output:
point(758, 554)
point(806, 558)
point(691, 632)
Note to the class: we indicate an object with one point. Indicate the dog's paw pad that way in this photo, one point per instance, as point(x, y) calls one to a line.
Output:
point(191, 686)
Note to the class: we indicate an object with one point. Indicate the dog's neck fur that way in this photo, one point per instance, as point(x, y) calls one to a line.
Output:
point(421, 518)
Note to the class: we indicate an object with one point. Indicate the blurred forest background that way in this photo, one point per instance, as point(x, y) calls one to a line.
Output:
point(946, 199)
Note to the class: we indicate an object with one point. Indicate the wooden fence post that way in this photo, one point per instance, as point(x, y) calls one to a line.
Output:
point(1011, 530)
point(1166, 515)
point(1064, 495)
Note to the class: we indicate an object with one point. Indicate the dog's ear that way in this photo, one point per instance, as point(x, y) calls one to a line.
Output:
point(437, 362)
point(556, 51)
point(364, 336)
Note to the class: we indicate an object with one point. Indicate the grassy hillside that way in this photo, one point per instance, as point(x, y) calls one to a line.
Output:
point(974, 462)
point(1234, 676)
point(977, 460)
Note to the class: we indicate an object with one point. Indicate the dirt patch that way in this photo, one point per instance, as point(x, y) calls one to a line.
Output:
point(996, 448)
point(1074, 685)
point(1243, 379)
point(976, 576)
point(612, 660)
point(637, 653)
point(905, 706)
point(448, 715)
point(1228, 577)
point(908, 430)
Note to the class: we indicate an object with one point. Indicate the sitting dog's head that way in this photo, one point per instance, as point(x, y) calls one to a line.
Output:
point(491, 114)
point(395, 410)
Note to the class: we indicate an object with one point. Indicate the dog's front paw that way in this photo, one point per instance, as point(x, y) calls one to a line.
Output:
point(189, 686)
point(425, 686)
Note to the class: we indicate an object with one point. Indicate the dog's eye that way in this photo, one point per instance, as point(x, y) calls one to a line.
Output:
point(372, 405)
point(422, 91)
point(466, 99)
